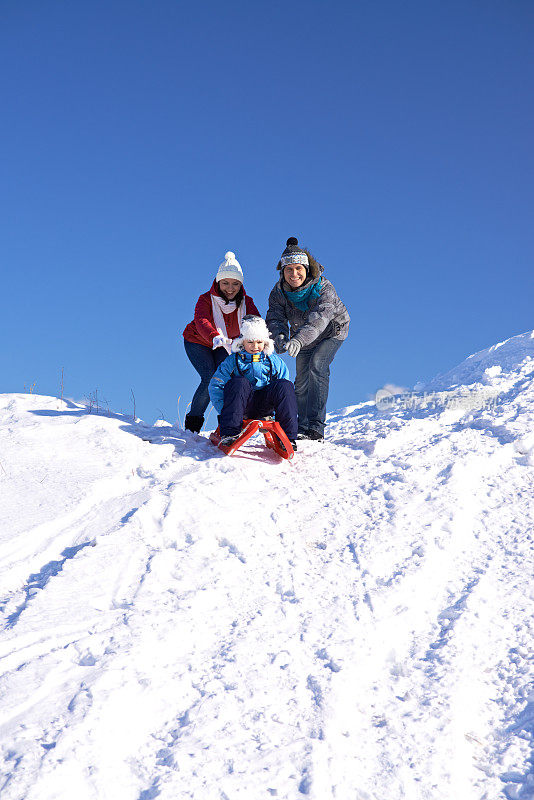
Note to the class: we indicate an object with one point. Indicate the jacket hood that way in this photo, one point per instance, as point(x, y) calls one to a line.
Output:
point(237, 346)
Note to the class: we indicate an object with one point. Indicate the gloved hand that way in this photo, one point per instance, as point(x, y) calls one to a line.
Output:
point(221, 341)
point(293, 348)
point(280, 343)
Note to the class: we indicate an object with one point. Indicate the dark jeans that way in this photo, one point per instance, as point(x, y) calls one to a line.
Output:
point(205, 361)
point(242, 401)
point(312, 383)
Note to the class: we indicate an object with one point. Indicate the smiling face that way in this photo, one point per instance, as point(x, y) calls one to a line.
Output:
point(295, 275)
point(229, 287)
point(253, 345)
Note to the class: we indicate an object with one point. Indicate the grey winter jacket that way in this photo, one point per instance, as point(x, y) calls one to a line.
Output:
point(327, 318)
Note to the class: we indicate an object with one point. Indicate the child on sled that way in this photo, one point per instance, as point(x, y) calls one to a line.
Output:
point(251, 383)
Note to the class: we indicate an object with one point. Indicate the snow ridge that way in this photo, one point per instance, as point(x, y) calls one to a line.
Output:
point(353, 624)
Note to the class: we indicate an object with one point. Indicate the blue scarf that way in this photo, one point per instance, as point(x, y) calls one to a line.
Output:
point(303, 298)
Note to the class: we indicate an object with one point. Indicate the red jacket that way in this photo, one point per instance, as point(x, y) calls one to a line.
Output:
point(202, 330)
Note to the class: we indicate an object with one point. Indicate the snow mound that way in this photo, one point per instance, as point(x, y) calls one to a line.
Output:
point(356, 623)
point(511, 355)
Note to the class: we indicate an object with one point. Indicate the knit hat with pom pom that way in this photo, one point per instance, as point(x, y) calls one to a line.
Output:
point(293, 254)
point(230, 268)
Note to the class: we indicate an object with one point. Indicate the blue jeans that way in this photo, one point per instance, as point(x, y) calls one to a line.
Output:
point(312, 384)
point(242, 401)
point(205, 361)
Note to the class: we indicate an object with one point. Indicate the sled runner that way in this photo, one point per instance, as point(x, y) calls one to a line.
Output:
point(275, 438)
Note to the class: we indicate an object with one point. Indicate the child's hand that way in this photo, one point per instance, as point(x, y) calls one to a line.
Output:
point(293, 348)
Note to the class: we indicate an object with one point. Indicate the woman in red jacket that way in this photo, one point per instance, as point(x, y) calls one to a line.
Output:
point(208, 338)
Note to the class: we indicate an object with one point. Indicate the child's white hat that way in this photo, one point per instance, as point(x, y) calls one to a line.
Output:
point(230, 268)
point(253, 329)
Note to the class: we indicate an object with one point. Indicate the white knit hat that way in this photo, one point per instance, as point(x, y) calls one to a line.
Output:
point(253, 329)
point(230, 268)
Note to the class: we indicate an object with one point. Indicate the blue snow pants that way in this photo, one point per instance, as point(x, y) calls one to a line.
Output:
point(241, 402)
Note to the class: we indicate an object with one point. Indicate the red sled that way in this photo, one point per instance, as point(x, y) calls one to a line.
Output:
point(275, 438)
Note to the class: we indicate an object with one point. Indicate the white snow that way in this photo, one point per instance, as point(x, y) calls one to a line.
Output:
point(354, 625)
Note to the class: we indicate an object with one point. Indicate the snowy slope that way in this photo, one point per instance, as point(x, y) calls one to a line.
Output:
point(354, 625)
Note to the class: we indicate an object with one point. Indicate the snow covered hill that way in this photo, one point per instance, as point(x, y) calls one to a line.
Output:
point(354, 625)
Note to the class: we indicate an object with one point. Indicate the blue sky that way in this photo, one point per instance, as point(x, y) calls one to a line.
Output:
point(141, 140)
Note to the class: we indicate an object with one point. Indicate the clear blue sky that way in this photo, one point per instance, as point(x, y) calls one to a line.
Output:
point(141, 140)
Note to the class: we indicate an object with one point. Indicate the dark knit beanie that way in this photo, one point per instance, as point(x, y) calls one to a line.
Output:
point(293, 254)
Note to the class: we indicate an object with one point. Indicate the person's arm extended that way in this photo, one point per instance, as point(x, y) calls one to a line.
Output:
point(218, 382)
point(204, 319)
point(275, 318)
point(319, 317)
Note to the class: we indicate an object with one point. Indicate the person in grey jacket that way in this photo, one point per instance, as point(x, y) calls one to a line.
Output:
point(308, 321)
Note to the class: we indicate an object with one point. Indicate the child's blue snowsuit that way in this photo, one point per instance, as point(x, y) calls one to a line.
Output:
point(249, 386)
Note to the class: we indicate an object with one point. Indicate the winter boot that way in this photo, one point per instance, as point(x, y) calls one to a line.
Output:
point(193, 423)
point(227, 441)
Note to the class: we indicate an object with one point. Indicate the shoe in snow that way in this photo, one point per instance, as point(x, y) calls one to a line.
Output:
point(315, 436)
point(227, 441)
point(293, 444)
